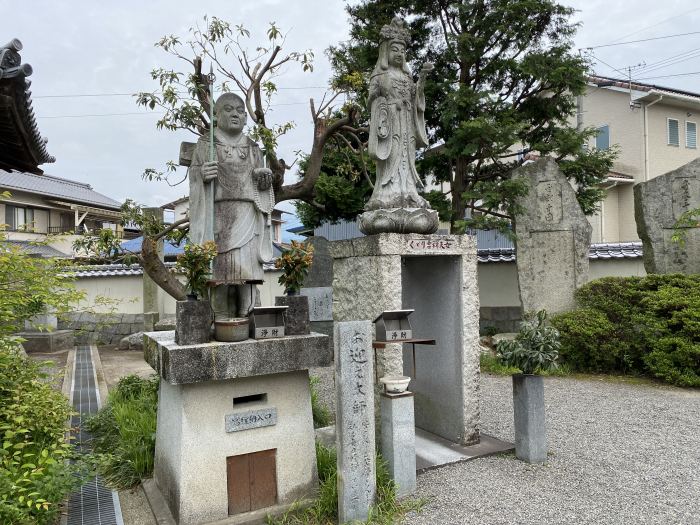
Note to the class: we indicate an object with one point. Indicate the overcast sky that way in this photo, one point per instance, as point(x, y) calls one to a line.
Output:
point(80, 48)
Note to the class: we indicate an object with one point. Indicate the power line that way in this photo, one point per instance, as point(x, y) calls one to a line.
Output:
point(669, 76)
point(657, 23)
point(611, 67)
point(134, 94)
point(644, 40)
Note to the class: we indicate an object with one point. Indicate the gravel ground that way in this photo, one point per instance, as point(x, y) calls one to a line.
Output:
point(620, 453)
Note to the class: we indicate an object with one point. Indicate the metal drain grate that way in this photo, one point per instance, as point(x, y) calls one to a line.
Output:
point(93, 504)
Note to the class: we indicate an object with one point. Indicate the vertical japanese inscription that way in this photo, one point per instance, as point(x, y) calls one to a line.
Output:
point(355, 422)
point(550, 202)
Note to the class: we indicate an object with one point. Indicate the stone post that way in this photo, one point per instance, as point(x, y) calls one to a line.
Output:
point(399, 440)
point(528, 411)
point(151, 305)
point(355, 420)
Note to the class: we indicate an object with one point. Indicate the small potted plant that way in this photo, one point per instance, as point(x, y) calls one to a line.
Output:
point(295, 263)
point(193, 317)
point(534, 350)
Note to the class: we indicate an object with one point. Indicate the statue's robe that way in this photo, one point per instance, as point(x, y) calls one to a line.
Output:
point(397, 128)
point(242, 212)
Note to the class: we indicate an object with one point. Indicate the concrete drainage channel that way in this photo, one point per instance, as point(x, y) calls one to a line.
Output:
point(93, 504)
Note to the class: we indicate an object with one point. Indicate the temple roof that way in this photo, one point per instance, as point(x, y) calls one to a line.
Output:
point(21, 145)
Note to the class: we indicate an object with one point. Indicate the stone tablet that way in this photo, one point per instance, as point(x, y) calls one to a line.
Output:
point(553, 239)
point(658, 204)
point(354, 377)
point(320, 303)
point(266, 417)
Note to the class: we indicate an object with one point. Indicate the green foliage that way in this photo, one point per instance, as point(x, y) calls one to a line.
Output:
point(506, 78)
point(294, 263)
point(321, 415)
point(534, 349)
point(324, 511)
point(491, 364)
point(195, 264)
point(32, 285)
point(636, 325)
point(124, 432)
point(342, 188)
point(35, 476)
point(689, 219)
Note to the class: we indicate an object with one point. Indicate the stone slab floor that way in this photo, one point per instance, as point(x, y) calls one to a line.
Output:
point(620, 453)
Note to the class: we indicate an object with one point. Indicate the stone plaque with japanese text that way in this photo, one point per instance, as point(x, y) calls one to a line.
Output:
point(265, 417)
point(320, 303)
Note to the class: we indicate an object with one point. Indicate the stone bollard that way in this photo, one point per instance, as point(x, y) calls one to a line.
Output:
point(528, 411)
point(354, 378)
point(398, 437)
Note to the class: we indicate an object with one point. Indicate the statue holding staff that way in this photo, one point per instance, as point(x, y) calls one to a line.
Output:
point(243, 203)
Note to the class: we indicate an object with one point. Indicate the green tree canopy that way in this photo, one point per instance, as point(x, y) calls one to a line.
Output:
point(505, 81)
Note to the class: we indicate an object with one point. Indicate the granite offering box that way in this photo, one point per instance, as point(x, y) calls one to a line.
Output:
point(235, 437)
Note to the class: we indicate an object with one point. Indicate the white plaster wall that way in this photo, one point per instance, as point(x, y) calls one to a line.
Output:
point(662, 157)
point(128, 290)
point(616, 268)
point(498, 284)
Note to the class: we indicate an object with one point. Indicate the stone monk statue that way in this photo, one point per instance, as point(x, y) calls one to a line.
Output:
point(243, 202)
point(397, 128)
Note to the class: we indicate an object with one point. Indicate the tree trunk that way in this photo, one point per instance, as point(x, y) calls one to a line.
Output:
point(157, 271)
point(459, 205)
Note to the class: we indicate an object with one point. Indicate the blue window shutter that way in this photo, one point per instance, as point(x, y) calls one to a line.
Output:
point(691, 135)
point(673, 135)
point(602, 139)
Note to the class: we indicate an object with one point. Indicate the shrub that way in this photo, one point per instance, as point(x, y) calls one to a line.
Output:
point(536, 347)
point(639, 325)
point(124, 432)
point(35, 477)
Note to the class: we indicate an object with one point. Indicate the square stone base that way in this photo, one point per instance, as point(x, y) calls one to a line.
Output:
point(192, 442)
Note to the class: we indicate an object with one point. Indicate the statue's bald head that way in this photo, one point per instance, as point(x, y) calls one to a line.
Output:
point(227, 98)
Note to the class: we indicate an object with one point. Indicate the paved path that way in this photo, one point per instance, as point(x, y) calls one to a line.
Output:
point(619, 453)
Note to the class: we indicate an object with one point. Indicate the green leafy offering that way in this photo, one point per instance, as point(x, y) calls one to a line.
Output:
point(536, 347)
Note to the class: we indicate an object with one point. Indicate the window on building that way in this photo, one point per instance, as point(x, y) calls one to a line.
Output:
point(18, 218)
point(691, 135)
point(602, 139)
point(673, 132)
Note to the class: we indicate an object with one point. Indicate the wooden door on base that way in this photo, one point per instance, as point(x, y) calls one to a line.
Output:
point(252, 481)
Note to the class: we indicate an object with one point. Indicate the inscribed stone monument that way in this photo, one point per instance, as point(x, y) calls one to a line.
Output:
point(243, 202)
point(397, 128)
point(658, 204)
point(553, 239)
point(354, 372)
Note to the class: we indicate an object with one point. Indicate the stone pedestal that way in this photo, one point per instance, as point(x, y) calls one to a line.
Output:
point(296, 317)
point(398, 440)
point(436, 276)
point(528, 410)
point(47, 341)
point(235, 435)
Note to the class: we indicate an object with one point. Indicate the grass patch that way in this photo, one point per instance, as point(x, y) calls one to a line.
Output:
point(324, 511)
point(124, 432)
point(322, 416)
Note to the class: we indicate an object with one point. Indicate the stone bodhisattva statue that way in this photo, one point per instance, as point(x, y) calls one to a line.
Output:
point(243, 202)
point(397, 128)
